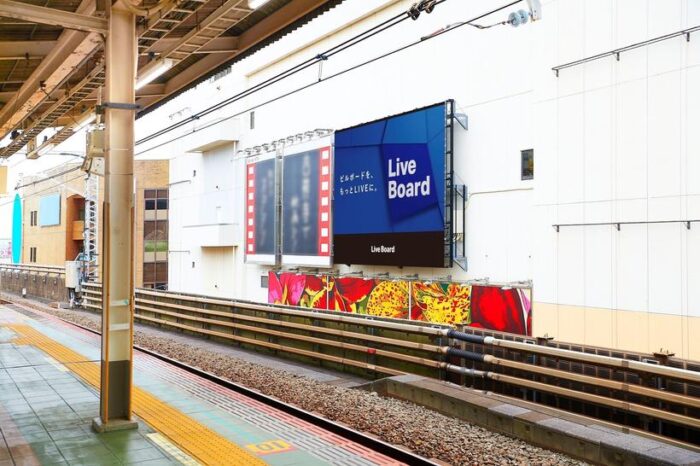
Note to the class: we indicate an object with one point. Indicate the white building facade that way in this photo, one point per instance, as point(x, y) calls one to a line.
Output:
point(613, 141)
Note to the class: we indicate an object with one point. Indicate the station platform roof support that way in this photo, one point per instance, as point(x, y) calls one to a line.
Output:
point(59, 63)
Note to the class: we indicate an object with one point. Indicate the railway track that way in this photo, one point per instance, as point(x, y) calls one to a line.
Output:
point(655, 394)
point(394, 452)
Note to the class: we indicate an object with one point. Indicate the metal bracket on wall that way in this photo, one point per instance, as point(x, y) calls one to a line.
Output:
point(618, 225)
point(117, 106)
point(462, 119)
point(616, 52)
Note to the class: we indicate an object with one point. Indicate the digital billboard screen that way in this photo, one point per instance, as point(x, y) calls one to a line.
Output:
point(391, 181)
point(306, 203)
point(260, 205)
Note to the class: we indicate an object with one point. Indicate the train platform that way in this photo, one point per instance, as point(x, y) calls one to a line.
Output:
point(49, 377)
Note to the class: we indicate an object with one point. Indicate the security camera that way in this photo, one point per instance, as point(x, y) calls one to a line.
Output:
point(535, 9)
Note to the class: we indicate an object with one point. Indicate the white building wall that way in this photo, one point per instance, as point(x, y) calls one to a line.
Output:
point(613, 140)
point(616, 142)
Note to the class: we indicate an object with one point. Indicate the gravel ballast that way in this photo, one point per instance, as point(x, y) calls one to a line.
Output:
point(424, 431)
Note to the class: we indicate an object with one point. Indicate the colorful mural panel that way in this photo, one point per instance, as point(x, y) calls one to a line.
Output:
point(487, 307)
point(444, 303)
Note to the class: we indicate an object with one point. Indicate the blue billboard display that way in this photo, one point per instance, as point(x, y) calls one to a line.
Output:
point(391, 181)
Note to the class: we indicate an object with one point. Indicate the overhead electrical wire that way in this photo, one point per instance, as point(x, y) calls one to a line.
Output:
point(55, 175)
point(318, 59)
point(304, 87)
point(35, 193)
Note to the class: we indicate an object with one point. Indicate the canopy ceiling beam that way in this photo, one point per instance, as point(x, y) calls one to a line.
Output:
point(52, 16)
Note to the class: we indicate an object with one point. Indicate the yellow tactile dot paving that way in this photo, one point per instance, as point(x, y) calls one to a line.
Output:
point(201, 442)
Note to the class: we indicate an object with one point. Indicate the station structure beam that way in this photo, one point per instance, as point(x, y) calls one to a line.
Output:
point(52, 16)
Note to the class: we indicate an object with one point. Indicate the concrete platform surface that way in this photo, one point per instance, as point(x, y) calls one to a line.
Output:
point(49, 375)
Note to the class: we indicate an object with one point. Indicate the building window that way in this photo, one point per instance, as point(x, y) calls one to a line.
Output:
point(252, 119)
point(527, 164)
point(155, 239)
point(32, 255)
point(33, 218)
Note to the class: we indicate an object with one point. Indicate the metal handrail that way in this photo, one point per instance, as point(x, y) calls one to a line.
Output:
point(618, 51)
point(33, 268)
point(617, 225)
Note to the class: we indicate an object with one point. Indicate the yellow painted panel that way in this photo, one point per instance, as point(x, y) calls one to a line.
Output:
point(545, 319)
point(666, 333)
point(196, 439)
point(572, 327)
point(632, 330)
point(693, 338)
point(599, 327)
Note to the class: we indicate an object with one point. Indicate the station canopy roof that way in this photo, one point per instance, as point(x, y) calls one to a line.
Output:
point(52, 55)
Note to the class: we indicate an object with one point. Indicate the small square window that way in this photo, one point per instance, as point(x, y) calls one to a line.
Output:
point(264, 281)
point(527, 164)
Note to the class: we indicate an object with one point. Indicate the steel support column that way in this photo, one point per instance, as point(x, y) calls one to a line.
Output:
point(117, 272)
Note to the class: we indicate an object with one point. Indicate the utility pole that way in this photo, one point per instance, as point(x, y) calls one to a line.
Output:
point(117, 272)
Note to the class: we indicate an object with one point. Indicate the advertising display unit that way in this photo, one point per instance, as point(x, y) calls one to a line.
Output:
point(392, 180)
point(306, 203)
point(261, 208)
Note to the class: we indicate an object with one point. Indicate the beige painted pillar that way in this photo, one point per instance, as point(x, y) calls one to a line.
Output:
point(118, 231)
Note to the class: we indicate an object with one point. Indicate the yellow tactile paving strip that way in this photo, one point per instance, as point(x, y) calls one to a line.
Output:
point(201, 442)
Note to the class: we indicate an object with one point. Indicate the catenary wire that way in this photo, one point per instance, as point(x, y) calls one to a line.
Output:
point(312, 84)
point(319, 58)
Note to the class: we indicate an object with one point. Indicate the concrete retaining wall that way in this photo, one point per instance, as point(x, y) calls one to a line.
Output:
point(574, 435)
point(41, 285)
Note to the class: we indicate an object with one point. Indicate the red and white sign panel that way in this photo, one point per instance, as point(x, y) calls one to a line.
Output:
point(306, 203)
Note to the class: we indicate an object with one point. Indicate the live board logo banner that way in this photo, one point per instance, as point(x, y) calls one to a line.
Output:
point(390, 184)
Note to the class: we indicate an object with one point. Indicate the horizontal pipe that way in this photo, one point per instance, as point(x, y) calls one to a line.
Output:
point(295, 336)
point(625, 364)
point(282, 323)
point(474, 373)
point(597, 399)
point(471, 356)
point(462, 336)
point(661, 395)
point(277, 346)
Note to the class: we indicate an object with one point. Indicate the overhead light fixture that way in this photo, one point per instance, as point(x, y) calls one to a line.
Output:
point(255, 4)
point(160, 66)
